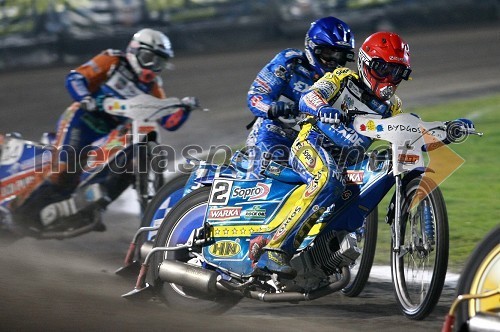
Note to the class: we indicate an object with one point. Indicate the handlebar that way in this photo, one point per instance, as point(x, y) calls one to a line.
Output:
point(148, 108)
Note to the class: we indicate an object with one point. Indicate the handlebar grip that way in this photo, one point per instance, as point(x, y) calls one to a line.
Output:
point(355, 112)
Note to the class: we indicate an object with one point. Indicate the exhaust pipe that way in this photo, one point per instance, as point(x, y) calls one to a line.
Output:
point(296, 296)
point(208, 282)
point(186, 275)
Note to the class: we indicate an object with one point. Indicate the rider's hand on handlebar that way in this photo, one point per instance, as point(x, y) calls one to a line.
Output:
point(280, 108)
point(458, 129)
point(329, 115)
point(468, 124)
point(88, 104)
point(191, 102)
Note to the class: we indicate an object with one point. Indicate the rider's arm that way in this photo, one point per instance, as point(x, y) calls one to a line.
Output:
point(323, 91)
point(270, 83)
point(86, 79)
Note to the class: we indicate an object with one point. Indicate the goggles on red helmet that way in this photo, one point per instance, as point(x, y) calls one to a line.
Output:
point(395, 71)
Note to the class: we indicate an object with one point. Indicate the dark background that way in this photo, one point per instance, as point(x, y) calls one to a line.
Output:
point(46, 32)
point(70, 285)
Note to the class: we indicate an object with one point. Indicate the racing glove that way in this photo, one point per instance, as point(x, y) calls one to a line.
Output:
point(88, 104)
point(457, 130)
point(280, 108)
point(190, 102)
point(329, 115)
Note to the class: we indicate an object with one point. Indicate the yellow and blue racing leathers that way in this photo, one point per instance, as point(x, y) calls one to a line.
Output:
point(320, 152)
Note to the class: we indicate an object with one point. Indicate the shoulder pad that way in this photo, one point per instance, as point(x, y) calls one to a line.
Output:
point(112, 52)
point(339, 75)
point(343, 72)
point(290, 55)
point(284, 63)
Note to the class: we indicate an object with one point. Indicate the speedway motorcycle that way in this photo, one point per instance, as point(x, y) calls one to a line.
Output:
point(200, 260)
point(477, 304)
point(128, 155)
point(203, 174)
point(200, 173)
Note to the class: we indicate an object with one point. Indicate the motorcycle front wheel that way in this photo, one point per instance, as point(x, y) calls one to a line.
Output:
point(175, 230)
point(367, 242)
point(419, 266)
point(481, 274)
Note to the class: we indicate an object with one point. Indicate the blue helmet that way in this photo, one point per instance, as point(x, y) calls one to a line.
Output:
point(329, 44)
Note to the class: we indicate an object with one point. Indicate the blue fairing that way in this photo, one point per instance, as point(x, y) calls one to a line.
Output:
point(237, 216)
point(202, 174)
point(238, 211)
point(241, 209)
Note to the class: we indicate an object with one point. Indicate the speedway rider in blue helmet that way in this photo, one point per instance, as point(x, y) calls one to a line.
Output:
point(274, 94)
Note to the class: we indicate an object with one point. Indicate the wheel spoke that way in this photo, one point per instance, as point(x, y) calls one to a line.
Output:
point(418, 279)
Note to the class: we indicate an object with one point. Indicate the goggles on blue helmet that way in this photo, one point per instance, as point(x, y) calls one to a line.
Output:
point(330, 54)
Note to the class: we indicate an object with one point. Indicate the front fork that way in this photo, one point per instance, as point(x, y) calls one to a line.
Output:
point(397, 214)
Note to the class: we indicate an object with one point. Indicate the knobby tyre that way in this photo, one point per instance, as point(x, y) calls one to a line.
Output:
point(166, 197)
point(367, 242)
point(185, 216)
point(480, 274)
point(149, 174)
point(419, 269)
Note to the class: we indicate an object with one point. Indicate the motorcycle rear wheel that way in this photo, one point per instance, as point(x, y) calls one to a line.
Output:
point(419, 269)
point(185, 216)
point(166, 197)
point(367, 242)
point(150, 174)
point(481, 273)
point(172, 187)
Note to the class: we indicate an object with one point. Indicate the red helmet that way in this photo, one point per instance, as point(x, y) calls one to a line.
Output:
point(383, 62)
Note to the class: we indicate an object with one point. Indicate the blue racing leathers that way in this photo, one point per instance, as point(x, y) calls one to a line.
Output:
point(321, 151)
point(285, 78)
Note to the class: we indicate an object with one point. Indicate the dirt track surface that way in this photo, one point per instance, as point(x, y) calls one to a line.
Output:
point(70, 285)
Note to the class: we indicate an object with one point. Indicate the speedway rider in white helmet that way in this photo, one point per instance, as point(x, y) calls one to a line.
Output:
point(110, 73)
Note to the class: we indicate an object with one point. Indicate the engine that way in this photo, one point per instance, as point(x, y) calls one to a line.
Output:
point(326, 256)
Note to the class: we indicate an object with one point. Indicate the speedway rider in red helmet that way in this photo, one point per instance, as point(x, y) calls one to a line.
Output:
point(321, 151)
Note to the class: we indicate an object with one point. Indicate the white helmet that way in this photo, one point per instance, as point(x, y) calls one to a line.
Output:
point(148, 53)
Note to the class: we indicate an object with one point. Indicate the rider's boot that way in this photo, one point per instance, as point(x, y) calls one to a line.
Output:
point(275, 261)
point(83, 198)
point(25, 210)
point(285, 241)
